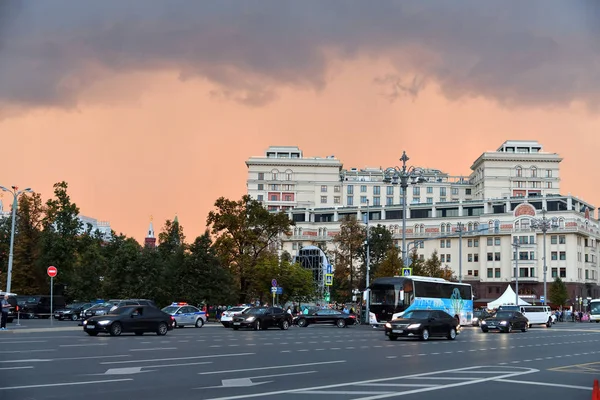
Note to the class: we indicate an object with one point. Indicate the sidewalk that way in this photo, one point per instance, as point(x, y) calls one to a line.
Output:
point(57, 328)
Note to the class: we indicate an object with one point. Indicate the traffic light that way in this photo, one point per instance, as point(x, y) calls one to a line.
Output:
point(327, 297)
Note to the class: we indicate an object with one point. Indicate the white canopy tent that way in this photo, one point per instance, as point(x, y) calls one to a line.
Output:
point(507, 298)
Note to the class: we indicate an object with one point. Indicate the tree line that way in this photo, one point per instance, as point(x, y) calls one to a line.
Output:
point(234, 261)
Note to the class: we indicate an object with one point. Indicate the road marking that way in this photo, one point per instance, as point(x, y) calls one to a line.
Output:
point(83, 345)
point(25, 351)
point(24, 341)
point(11, 368)
point(396, 384)
point(271, 367)
point(341, 392)
point(155, 348)
point(177, 358)
point(544, 384)
point(63, 359)
point(64, 384)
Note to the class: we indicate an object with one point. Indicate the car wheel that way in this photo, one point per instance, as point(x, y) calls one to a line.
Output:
point(484, 330)
point(175, 324)
point(285, 325)
point(92, 333)
point(525, 327)
point(74, 317)
point(340, 323)
point(162, 329)
point(138, 333)
point(115, 329)
point(452, 334)
point(508, 328)
point(302, 323)
point(225, 324)
point(199, 323)
point(235, 328)
point(393, 338)
point(549, 323)
point(425, 334)
point(257, 325)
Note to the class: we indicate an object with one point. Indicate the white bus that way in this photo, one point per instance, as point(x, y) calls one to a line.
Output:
point(595, 310)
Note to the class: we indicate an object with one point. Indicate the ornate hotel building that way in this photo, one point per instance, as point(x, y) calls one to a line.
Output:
point(495, 205)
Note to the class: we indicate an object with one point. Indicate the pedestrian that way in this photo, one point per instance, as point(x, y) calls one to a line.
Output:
point(5, 307)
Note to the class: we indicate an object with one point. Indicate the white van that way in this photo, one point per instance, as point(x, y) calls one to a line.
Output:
point(537, 315)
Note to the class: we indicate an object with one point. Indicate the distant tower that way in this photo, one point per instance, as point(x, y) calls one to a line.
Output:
point(150, 240)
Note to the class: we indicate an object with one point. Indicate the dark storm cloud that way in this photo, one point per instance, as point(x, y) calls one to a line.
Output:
point(516, 52)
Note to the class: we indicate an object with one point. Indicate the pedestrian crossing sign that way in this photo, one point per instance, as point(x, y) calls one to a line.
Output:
point(406, 271)
point(328, 279)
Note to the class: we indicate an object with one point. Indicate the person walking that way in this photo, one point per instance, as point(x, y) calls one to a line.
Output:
point(5, 307)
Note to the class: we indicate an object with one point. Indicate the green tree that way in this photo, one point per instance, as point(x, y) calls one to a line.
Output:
point(417, 265)
point(171, 239)
point(380, 242)
point(349, 244)
point(391, 265)
point(120, 274)
point(557, 293)
point(244, 230)
point(90, 266)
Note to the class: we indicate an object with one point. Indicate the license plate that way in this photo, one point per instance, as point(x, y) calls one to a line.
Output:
point(397, 331)
point(57, 315)
point(237, 323)
point(90, 327)
point(492, 325)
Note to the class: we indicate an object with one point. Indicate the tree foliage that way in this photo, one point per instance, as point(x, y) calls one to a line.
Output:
point(391, 265)
point(349, 244)
point(557, 293)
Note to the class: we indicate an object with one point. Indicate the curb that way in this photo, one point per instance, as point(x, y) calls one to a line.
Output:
point(68, 329)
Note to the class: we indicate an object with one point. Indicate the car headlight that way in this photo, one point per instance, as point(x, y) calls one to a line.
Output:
point(388, 325)
point(85, 322)
point(503, 322)
point(104, 322)
point(414, 326)
point(483, 322)
point(250, 319)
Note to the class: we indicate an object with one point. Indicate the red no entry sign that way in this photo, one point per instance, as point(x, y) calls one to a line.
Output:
point(52, 271)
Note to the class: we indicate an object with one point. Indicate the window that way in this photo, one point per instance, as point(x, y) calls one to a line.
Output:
point(259, 197)
point(363, 188)
point(274, 197)
point(376, 201)
point(442, 243)
point(562, 239)
point(442, 199)
point(389, 201)
point(555, 272)
point(533, 172)
point(497, 256)
point(468, 192)
point(497, 241)
point(553, 239)
point(586, 258)
point(324, 189)
point(429, 200)
point(429, 190)
point(443, 192)
point(470, 272)
point(336, 189)
point(350, 189)
point(490, 272)
point(389, 190)
point(518, 172)
point(447, 257)
point(563, 255)
point(469, 242)
point(554, 256)
point(350, 200)
point(416, 191)
point(475, 257)
point(469, 258)
point(274, 187)
point(475, 242)
point(336, 200)
point(548, 185)
point(323, 199)
point(261, 176)
point(548, 173)
point(454, 191)
point(447, 243)
point(274, 176)
point(490, 241)
point(497, 273)
point(476, 272)
point(587, 274)
point(377, 190)
point(261, 186)
point(490, 256)
point(442, 257)
point(363, 199)
point(416, 199)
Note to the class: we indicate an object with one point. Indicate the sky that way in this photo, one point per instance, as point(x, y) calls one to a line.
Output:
point(150, 109)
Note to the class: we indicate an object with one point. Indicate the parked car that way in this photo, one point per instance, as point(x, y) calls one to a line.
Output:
point(136, 319)
point(423, 324)
point(227, 316)
point(333, 317)
point(71, 311)
point(506, 321)
point(39, 305)
point(262, 318)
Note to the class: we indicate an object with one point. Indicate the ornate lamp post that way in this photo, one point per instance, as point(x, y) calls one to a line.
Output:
point(403, 176)
point(544, 224)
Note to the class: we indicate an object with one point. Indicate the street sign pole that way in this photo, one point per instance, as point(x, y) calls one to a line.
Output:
point(52, 271)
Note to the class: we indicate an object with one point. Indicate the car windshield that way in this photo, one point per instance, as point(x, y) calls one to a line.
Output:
point(170, 309)
point(122, 310)
point(504, 314)
point(255, 311)
point(418, 314)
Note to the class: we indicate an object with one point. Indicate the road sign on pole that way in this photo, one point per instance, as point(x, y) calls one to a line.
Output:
point(274, 290)
point(52, 271)
point(406, 271)
point(543, 299)
point(328, 279)
point(329, 269)
point(274, 283)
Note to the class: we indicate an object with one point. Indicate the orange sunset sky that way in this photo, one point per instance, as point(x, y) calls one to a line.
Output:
point(149, 111)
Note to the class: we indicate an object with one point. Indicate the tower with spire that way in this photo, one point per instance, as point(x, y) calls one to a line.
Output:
point(150, 240)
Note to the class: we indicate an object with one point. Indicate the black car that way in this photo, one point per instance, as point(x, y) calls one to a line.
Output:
point(423, 324)
point(71, 311)
point(480, 315)
point(39, 305)
point(262, 318)
point(506, 321)
point(110, 305)
point(137, 319)
point(326, 316)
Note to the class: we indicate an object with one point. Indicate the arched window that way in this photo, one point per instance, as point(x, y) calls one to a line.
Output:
point(320, 232)
point(517, 225)
point(443, 229)
point(422, 228)
point(491, 225)
point(561, 222)
point(299, 231)
point(274, 174)
point(533, 171)
point(470, 226)
point(518, 171)
point(476, 226)
point(448, 228)
point(325, 232)
point(525, 224)
point(417, 227)
point(289, 175)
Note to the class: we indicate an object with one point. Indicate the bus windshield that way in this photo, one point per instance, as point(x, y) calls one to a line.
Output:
point(595, 307)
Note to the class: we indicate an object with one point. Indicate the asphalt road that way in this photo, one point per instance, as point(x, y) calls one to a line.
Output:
point(318, 362)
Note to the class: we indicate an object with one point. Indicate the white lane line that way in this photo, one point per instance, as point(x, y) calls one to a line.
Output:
point(397, 384)
point(63, 359)
point(64, 384)
point(155, 348)
point(350, 392)
point(177, 358)
point(83, 345)
point(445, 378)
point(544, 384)
point(11, 368)
point(26, 351)
point(270, 367)
point(24, 341)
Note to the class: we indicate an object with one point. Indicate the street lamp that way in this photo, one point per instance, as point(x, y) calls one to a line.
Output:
point(460, 233)
point(544, 224)
point(15, 192)
point(368, 315)
point(516, 245)
point(403, 176)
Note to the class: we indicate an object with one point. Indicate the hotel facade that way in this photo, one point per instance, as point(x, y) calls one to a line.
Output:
point(496, 204)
